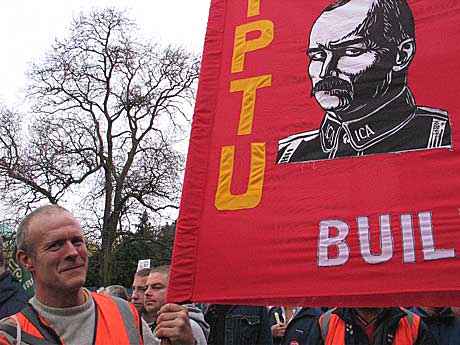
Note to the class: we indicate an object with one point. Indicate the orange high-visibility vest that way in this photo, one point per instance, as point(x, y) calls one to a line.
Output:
point(333, 329)
point(116, 323)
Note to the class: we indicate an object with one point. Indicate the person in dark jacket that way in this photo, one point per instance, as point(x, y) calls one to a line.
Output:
point(298, 328)
point(238, 325)
point(12, 296)
point(278, 317)
point(442, 323)
point(371, 326)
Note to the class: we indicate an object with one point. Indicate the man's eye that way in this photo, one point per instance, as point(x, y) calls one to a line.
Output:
point(317, 56)
point(54, 246)
point(77, 242)
point(352, 51)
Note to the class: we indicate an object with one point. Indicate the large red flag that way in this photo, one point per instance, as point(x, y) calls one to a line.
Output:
point(323, 162)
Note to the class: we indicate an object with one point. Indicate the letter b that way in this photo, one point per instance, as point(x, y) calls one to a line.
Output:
point(326, 241)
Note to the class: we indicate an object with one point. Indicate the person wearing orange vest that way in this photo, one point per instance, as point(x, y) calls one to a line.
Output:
point(372, 326)
point(52, 247)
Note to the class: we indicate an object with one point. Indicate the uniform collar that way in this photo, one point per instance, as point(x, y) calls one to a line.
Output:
point(372, 127)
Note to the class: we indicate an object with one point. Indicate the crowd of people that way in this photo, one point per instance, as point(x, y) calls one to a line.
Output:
point(51, 245)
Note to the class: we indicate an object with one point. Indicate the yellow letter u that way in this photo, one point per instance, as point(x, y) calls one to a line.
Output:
point(225, 200)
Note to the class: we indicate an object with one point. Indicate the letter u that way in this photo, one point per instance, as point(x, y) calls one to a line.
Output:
point(386, 240)
point(225, 200)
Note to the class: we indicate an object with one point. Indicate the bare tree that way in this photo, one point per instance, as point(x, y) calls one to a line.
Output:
point(105, 109)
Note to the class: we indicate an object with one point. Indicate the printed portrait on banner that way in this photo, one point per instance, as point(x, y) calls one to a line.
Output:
point(359, 54)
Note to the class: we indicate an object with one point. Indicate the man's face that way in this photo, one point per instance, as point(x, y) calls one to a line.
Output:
point(139, 287)
point(59, 259)
point(345, 72)
point(155, 296)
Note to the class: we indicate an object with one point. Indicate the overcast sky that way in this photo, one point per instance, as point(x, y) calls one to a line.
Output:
point(28, 28)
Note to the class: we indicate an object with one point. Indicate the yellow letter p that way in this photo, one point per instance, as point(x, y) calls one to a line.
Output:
point(243, 46)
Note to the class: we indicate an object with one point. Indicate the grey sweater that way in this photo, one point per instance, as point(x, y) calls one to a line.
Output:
point(75, 325)
point(200, 327)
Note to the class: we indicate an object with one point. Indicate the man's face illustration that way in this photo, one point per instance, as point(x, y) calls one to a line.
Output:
point(347, 70)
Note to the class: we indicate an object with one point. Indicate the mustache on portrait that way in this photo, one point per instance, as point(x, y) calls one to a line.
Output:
point(332, 83)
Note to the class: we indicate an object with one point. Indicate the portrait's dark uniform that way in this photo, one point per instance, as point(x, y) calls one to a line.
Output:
point(395, 126)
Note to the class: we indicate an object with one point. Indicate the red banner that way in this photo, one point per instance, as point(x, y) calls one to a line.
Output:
point(323, 162)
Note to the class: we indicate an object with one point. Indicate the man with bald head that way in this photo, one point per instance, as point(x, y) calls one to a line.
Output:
point(359, 55)
point(51, 246)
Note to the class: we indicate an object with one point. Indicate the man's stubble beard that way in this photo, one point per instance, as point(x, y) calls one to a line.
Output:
point(152, 311)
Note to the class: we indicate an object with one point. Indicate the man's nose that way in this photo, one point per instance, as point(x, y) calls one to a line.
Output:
point(148, 292)
point(71, 250)
point(329, 67)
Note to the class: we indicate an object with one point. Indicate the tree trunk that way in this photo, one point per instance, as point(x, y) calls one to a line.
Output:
point(106, 258)
point(107, 232)
point(108, 238)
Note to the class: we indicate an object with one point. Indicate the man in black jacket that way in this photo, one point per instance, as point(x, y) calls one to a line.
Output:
point(442, 323)
point(360, 52)
point(298, 329)
point(12, 296)
point(238, 325)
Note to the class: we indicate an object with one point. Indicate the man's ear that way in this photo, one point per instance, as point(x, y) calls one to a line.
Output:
point(406, 52)
point(25, 260)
